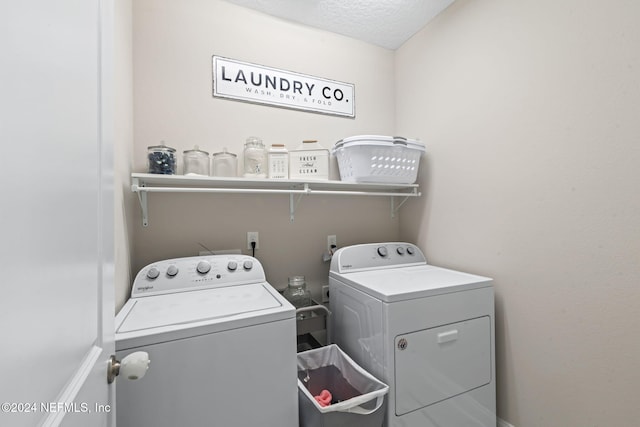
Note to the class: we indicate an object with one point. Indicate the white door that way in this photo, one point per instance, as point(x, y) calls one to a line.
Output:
point(56, 208)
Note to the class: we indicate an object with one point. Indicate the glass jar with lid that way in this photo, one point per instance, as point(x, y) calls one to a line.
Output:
point(162, 159)
point(298, 294)
point(225, 164)
point(196, 162)
point(255, 158)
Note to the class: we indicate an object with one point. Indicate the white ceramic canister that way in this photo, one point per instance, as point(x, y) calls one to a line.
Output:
point(278, 159)
point(225, 164)
point(310, 161)
point(255, 158)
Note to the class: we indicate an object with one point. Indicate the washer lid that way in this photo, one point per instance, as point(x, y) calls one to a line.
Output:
point(225, 304)
point(403, 283)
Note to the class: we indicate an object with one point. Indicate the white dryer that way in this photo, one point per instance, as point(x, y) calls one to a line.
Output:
point(222, 345)
point(427, 332)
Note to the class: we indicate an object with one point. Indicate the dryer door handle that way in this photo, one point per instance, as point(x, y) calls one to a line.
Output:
point(447, 336)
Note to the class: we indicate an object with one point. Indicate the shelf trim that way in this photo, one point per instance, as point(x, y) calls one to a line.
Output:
point(189, 184)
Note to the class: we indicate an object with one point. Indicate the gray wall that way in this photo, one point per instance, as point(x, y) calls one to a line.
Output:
point(530, 114)
point(173, 43)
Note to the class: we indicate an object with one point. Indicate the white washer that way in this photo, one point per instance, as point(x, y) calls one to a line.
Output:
point(222, 345)
point(427, 332)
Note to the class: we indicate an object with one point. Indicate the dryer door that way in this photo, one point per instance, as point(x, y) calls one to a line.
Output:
point(442, 362)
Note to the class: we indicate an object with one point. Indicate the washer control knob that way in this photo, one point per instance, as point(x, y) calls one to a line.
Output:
point(400, 250)
point(153, 273)
point(382, 251)
point(247, 265)
point(172, 270)
point(410, 250)
point(232, 266)
point(203, 267)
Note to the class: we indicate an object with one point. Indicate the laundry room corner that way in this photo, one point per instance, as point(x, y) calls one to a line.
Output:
point(415, 213)
point(529, 175)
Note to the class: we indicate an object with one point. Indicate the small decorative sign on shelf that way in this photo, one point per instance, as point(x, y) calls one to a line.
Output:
point(243, 81)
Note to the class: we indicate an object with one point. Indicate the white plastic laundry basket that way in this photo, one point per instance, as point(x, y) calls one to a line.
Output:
point(378, 159)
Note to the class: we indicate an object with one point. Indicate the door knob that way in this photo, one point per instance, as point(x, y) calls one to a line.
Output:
point(134, 366)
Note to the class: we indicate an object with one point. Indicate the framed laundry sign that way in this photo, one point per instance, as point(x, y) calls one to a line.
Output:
point(243, 81)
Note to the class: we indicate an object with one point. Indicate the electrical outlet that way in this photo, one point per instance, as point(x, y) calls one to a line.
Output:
point(332, 241)
point(252, 236)
point(325, 293)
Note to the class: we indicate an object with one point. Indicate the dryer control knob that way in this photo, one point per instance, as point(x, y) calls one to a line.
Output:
point(203, 267)
point(153, 273)
point(172, 270)
point(232, 265)
point(247, 265)
point(400, 250)
point(382, 251)
point(410, 250)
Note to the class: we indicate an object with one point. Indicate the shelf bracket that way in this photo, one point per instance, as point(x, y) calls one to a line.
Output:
point(394, 208)
point(293, 202)
point(142, 198)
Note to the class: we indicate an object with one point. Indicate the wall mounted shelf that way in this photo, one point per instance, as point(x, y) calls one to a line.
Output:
point(143, 183)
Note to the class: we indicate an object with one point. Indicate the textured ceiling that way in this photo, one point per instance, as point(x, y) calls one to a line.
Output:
point(386, 23)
